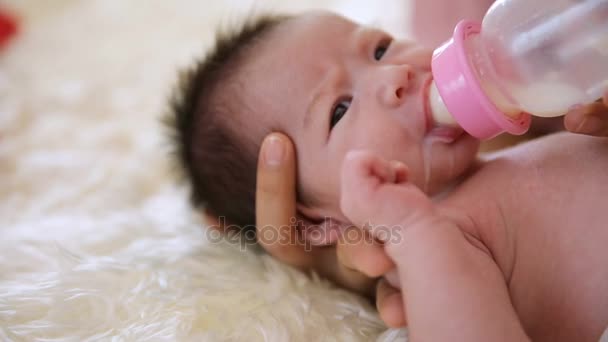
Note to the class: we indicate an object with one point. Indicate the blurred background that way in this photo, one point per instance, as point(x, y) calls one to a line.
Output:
point(84, 75)
point(97, 240)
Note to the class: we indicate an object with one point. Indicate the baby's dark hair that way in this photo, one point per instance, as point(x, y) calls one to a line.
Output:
point(214, 149)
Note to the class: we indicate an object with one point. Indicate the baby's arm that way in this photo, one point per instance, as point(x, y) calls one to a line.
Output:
point(453, 290)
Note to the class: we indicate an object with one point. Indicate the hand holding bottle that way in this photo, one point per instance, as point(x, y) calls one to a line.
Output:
point(590, 119)
point(491, 76)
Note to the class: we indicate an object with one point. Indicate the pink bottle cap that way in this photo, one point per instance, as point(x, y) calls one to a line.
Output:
point(462, 94)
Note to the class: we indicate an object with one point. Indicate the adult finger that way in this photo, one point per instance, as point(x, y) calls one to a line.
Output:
point(359, 251)
point(327, 264)
point(590, 119)
point(390, 305)
point(276, 202)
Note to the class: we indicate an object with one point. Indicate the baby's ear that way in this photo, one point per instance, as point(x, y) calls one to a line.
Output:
point(318, 227)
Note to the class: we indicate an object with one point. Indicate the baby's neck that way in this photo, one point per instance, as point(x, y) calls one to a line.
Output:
point(475, 166)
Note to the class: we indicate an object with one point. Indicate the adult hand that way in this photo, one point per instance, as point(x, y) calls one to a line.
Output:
point(276, 210)
point(590, 119)
point(354, 264)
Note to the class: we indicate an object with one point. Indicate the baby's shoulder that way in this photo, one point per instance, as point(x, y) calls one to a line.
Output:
point(555, 147)
point(545, 170)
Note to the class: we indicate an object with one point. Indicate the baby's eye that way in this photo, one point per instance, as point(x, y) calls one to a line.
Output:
point(338, 112)
point(381, 49)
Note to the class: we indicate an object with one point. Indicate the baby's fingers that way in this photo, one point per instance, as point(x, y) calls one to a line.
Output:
point(362, 174)
point(364, 166)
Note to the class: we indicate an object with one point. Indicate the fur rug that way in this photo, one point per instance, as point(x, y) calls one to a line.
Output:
point(97, 239)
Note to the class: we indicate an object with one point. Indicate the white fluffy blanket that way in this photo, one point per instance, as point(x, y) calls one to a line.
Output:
point(97, 240)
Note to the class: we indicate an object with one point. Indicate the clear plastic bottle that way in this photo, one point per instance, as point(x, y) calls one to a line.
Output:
point(537, 57)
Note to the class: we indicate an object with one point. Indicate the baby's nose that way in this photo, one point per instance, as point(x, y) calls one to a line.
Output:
point(395, 83)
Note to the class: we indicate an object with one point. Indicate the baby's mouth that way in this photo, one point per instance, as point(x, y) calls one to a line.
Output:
point(426, 104)
point(446, 134)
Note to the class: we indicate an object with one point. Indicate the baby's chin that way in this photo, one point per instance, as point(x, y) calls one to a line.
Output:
point(445, 160)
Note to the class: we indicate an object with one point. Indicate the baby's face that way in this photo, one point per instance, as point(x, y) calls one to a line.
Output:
point(334, 86)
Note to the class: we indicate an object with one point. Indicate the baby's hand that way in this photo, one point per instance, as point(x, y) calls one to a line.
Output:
point(376, 196)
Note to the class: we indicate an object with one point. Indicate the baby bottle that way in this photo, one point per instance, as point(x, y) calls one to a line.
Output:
point(527, 57)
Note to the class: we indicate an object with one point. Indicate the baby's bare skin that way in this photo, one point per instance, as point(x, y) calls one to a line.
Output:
point(534, 250)
point(345, 87)
point(541, 211)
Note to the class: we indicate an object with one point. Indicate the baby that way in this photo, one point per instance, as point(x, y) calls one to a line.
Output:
point(509, 248)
